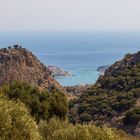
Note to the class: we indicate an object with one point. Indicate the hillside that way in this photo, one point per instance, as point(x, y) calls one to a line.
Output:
point(19, 64)
point(33, 98)
point(115, 98)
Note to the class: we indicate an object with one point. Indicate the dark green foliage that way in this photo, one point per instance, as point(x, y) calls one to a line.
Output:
point(42, 105)
point(132, 117)
point(71, 103)
point(85, 117)
point(57, 105)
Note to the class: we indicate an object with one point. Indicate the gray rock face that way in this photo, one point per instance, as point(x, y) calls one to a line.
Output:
point(56, 71)
point(102, 69)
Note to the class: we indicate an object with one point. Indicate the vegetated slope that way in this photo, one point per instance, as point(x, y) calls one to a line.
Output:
point(17, 123)
point(114, 99)
point(18, 63)
point(42, 104)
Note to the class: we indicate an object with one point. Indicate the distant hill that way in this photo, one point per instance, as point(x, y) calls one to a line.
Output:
point(17, 63)
point(115, 98)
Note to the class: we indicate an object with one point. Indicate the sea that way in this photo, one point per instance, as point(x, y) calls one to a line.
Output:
point(80, 53)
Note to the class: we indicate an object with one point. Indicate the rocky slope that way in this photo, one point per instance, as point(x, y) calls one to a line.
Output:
point(19, 64)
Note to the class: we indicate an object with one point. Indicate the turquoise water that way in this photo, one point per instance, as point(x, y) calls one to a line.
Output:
point(78, 52)
point(79, 77)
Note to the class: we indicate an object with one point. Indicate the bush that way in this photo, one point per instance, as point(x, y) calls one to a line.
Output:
point(56, 129)
point(85, 117)
point(16, 123)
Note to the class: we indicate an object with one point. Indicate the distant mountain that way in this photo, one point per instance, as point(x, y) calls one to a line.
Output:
point(17, 63)
point(115, 98)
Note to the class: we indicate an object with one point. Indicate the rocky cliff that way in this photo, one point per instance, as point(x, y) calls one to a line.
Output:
point(19, 64)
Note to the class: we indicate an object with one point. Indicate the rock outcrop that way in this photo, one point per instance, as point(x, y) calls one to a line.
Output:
point(19, 64)
point(56, 71)
point(129, 60)
point(102, 69)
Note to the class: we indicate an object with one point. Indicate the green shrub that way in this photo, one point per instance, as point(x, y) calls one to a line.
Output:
point(56, 129)
point(16, 123)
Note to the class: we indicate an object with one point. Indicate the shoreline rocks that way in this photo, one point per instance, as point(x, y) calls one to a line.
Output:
point(102, 69)
point(56, 71)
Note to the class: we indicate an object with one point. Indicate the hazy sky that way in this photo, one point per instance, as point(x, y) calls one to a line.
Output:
point(19, 15)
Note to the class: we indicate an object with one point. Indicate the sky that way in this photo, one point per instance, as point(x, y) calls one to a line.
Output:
point(69, 15)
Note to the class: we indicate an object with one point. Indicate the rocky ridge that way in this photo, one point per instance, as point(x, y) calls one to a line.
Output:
point(17, 63)
point(128, 60)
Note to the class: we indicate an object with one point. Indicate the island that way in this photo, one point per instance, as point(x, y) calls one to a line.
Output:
point(56, 71)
